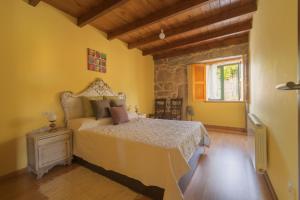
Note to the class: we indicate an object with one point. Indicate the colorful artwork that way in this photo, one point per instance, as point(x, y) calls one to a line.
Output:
point(96, 61)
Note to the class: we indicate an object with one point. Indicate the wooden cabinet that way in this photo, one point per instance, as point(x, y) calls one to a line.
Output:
point(46, 149)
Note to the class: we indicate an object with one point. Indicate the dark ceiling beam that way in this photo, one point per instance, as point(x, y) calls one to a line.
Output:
point(232, 40)
point(222, 16)
point(34, 2)
point(224, 32)
point(156, 17)
point(99, 11)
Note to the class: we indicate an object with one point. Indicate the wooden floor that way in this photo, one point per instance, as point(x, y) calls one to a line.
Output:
point(224, 173)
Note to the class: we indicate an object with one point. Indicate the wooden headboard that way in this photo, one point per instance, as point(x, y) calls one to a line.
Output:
point(72, 103)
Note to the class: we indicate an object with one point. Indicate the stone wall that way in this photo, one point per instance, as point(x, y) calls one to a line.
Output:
point(170, 76)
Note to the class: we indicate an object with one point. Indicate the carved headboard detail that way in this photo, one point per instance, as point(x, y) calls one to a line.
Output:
point(72, 104)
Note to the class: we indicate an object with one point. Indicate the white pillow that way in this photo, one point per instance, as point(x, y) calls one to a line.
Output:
point(90, 122)
point(132, 115)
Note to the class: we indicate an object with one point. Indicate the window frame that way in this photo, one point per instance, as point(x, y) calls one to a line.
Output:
point(222, 79)
point(224, 62)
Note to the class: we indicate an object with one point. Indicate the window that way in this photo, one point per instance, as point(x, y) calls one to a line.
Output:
point(222, 81)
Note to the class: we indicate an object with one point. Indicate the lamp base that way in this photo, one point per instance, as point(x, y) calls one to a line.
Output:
point(52, 126)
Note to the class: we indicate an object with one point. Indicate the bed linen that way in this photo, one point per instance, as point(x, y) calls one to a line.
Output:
point(153, 151)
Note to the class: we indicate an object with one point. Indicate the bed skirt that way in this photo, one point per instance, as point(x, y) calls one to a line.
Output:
point(154, 192)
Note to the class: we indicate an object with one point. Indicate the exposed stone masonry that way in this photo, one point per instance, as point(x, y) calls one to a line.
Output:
point(170, 74)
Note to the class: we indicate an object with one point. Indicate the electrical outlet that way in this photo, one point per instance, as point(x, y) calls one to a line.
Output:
point(291, 190)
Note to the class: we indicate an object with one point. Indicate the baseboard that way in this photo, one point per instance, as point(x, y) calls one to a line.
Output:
point(270, 186)
point(226, 129)
point(14, 174)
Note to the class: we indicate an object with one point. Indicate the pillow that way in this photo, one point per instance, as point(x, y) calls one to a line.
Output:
point(132, 115)
point(88, 122)
point(74, 108)
point(105, 121)
point(101, 108)
point(119, 115)
point(95, 98)
point(117, 102)
point(87, 107)
point(76, 124)
point(111, 97)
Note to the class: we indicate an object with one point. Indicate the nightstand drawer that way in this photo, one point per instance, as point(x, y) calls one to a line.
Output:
point(54, 139)
point(53, 152)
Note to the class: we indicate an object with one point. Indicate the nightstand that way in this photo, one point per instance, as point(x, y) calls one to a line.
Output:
point(46, 149)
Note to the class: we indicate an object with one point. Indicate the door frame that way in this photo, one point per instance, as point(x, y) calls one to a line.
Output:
point(298, 99)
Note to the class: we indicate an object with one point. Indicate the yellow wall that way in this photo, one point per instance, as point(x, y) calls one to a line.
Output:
point(42, 53)
point(273, 49)
point(216, 113)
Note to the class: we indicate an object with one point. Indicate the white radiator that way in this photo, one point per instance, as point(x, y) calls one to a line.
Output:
point(257, 143)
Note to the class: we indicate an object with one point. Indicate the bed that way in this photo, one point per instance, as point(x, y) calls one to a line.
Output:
point(160, 153)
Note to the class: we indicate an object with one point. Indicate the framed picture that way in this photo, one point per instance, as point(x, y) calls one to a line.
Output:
point(96, 61)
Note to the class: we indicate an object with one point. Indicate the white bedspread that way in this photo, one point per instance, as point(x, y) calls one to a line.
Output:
point(154, 151)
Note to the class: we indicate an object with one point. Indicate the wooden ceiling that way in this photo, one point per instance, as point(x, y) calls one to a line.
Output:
point(189, 25)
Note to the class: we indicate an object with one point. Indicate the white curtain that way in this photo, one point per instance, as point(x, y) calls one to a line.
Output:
point(212, 82)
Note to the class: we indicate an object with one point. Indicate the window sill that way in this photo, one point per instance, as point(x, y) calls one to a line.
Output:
point(221, 101)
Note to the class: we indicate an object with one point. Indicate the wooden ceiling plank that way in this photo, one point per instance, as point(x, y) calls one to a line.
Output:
point(226, 31)
point(34, 2)
point(232, 40)
point(222, 16)
point(99, 11)
point(157, 16)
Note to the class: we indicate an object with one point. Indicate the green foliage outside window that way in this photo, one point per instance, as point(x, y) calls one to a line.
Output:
point(226, 73)
point(230, 71)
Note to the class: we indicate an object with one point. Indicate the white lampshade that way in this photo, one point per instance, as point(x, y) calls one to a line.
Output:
point(162, 34)
point(51, 116)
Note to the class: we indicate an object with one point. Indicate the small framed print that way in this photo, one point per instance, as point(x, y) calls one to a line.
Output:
point(96, 61)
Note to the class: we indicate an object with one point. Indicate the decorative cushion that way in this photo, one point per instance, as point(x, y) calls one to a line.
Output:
point(111, 97)
point(87, 107)
point(132, 115)
point(100, 108)
point(115, 101)
point(95, 98)
point(119, 115)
